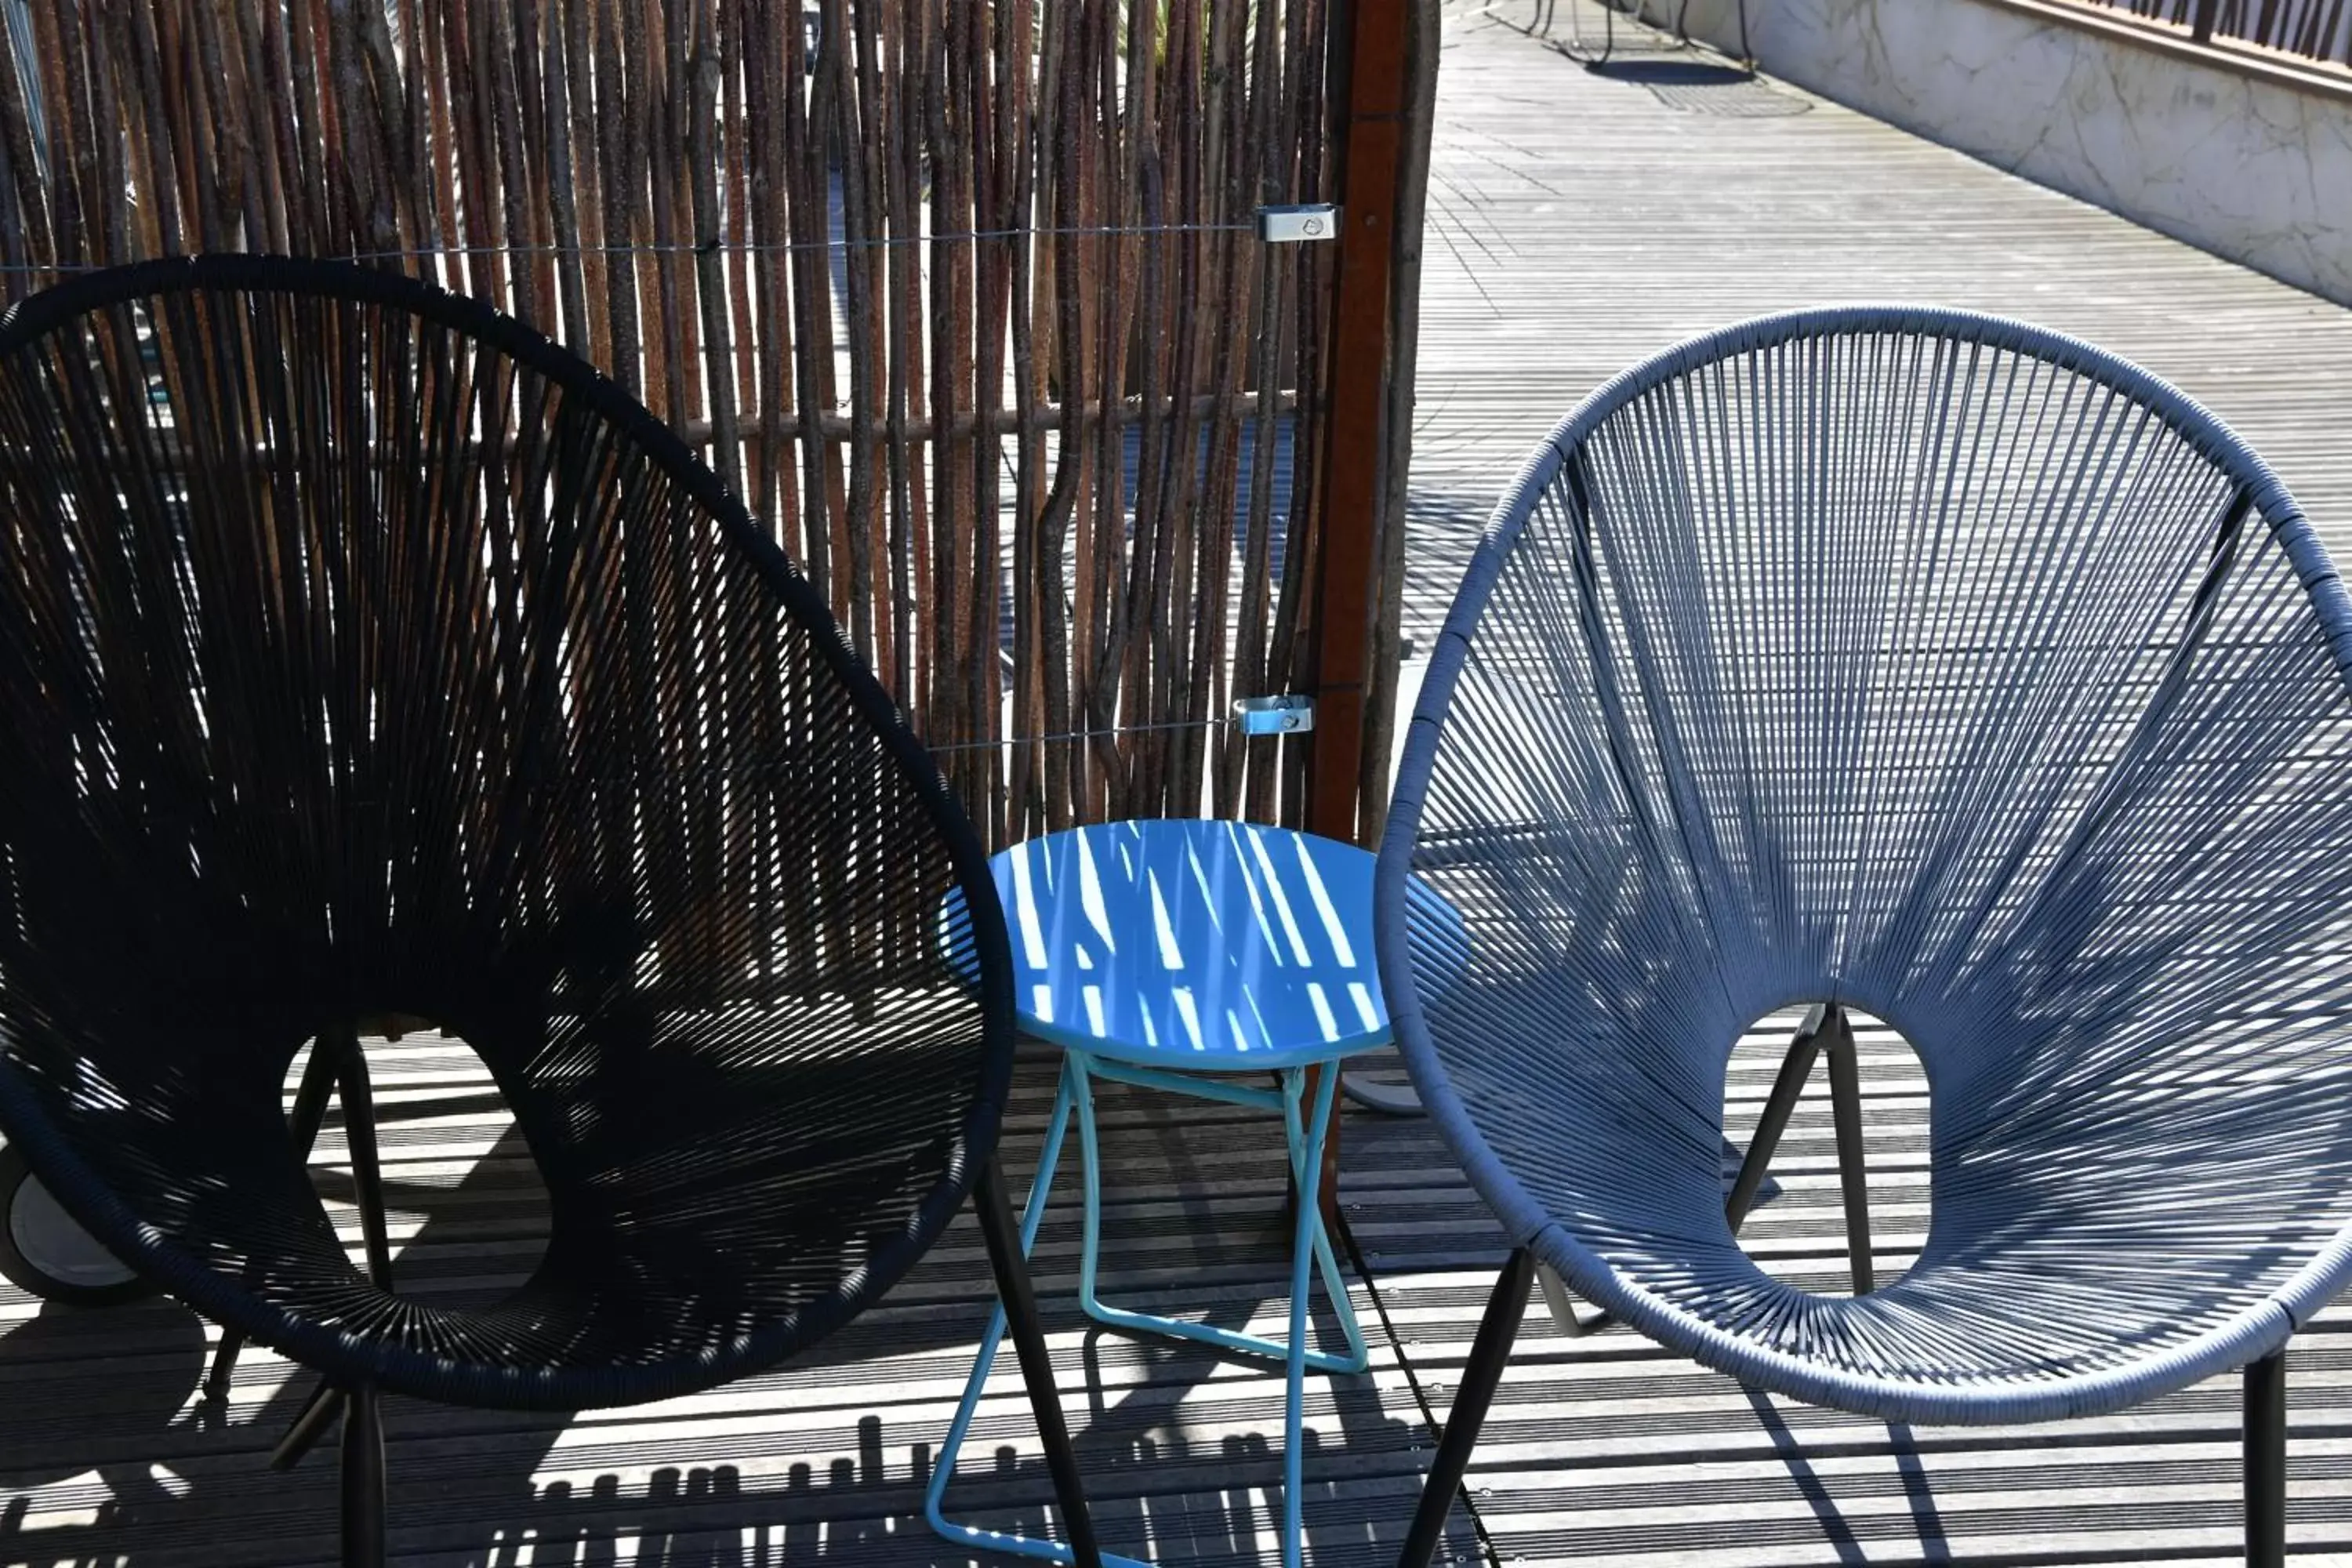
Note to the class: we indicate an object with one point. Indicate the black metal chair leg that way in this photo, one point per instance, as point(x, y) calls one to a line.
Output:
point(347, 1065)
point(1845, 1109)
point(310, 1112)
point(1488, 1355)
point(1003, 1238)
point(337, 1059)
point(302, 1130)
point(1795, 1068)
point(2266, 1435)
point(367, 1172)
point(363, 1535)
point(224, 1367)
point(326, 1403)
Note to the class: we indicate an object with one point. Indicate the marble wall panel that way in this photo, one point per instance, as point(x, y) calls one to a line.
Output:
point(2252, 170)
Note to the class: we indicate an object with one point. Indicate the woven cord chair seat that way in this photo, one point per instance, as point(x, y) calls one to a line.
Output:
point(362, 652)
point(1951, 670)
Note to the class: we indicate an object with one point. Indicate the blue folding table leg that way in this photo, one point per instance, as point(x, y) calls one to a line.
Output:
point(943, 1469)
point(1303, 1137)
point(1082, 1069)
point(1309, 1170)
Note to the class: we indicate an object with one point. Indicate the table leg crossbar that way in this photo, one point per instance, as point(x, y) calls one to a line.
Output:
point(1311, 1253)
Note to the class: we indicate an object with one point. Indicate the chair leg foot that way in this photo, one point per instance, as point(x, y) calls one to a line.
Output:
point(1488, 1355)
point(2265, 1437)
point(1013, 1288)
point(363, 1499)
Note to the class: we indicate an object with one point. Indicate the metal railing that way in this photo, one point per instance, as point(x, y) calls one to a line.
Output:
point(2311, 29)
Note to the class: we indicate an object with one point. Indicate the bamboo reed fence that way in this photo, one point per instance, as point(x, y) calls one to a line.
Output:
point(961, 296)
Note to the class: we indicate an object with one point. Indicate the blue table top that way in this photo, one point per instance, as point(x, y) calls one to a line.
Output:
point(1198, 946)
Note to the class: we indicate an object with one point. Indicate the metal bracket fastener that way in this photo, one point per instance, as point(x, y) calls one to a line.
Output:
point(1286, 715)
point(1290, 225)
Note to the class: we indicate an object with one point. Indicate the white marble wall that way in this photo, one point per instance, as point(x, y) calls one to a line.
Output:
point(2253, 171)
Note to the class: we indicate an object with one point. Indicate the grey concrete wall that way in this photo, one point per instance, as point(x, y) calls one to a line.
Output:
point(2248, 167)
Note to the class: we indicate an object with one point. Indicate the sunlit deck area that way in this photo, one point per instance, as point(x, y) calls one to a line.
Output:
point(1578, 220)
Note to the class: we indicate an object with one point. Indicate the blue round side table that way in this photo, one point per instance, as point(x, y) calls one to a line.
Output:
point(1159, 953)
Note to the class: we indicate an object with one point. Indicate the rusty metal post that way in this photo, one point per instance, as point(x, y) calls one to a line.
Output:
point(1369, 44)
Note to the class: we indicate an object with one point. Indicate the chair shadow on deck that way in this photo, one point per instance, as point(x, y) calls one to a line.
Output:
point(185, 1478)
point(110, 1386)
point(158, 1476)
point(1918, 1493)
point(1671, 73)
point(1161, 1499)
point(1154, 1493)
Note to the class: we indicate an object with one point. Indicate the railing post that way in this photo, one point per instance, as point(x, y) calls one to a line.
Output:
point(2201, 27)
point(1369, 45)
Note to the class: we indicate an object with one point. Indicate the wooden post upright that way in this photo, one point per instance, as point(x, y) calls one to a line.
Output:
point(1370, 42)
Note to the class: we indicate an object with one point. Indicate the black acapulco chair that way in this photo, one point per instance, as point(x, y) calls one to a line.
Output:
point(362, 652)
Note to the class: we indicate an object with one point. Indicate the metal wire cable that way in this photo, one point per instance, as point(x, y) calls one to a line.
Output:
point(715, 247)
point(1068, 735)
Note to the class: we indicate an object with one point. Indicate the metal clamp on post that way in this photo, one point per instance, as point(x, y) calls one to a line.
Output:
point(1298, 225)
point(1285, 715)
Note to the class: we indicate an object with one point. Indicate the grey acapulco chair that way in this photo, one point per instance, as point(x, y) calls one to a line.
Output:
point(364, 654)
point(1947, 670)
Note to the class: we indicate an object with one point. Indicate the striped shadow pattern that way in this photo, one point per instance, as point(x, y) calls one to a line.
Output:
point(1951, 671)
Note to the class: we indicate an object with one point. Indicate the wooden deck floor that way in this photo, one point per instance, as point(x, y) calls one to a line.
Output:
point(1581, 221)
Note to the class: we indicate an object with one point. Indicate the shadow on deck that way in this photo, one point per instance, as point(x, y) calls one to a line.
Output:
point(111, 1453)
